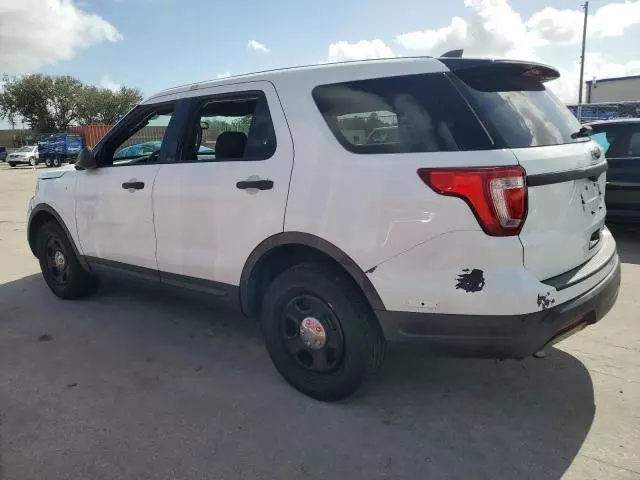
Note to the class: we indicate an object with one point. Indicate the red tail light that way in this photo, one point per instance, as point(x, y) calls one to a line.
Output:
point(497, 195)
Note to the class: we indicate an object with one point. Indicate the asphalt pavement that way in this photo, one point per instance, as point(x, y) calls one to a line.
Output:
point(139, 383)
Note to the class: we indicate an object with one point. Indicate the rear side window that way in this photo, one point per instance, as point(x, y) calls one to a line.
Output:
point(517, 110)
point(228, 128)
point(412, 113)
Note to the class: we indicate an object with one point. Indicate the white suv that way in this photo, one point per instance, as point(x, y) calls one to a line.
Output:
point(475, 227)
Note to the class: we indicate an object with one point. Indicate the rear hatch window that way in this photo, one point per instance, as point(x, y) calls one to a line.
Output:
point(515, 105)
point(565, 171)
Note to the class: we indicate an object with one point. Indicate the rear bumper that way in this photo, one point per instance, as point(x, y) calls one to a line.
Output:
point(503, 336)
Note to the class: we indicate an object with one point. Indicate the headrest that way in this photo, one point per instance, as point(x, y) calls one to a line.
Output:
point(231, 145)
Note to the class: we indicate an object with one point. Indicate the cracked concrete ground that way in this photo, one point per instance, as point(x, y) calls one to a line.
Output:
point(137, 384)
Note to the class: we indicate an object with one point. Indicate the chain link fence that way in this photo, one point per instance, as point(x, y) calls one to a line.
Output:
point(591, 112)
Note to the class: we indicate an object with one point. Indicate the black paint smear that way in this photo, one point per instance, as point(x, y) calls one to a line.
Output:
point(545, 301)
point(470, 281)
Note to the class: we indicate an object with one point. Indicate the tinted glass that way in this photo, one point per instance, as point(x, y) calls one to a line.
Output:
point(413, 113)
point(137, 140)
point(614, 139)
point(519, 111)
point(237, 128)
point(634, 144)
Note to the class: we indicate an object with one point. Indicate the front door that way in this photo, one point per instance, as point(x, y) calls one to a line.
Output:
point(228, 191)
point(114, 211)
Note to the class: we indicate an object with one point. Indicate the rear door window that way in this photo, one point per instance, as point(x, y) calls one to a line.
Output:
point(403, 114)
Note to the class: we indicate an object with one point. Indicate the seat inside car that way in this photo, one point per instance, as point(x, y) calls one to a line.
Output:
point(231, 145)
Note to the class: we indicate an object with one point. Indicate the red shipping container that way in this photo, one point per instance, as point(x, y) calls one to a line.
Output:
point(91, 133)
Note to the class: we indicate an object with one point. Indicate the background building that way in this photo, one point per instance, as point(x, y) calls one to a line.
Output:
point(620, 89)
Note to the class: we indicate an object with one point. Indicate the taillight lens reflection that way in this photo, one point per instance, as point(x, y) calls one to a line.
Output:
point(497, 195)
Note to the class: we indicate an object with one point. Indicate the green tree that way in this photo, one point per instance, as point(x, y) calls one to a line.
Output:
point(101, 105)
point(52, 103)
point(27, 97)
point(64, 100)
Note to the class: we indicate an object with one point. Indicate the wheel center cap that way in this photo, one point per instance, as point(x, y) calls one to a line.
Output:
point(313, 333)
point(59, 259)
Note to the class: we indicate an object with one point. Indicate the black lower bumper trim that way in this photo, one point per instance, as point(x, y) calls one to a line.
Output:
point(504, 336)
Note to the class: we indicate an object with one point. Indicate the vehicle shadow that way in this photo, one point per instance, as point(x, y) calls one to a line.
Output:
point(628, 241)
point(137, 383)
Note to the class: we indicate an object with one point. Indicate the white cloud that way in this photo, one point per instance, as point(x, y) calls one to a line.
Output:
point(35, 33)
point(440, 40)
point(565, 26)
point(106, 82)
point(363, 50)
point(493, 29)
point(223, 75)
point(613, 19)
point(260, 47)
point(554, 26)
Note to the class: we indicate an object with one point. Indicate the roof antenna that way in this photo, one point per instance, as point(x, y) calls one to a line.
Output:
point(453, 54)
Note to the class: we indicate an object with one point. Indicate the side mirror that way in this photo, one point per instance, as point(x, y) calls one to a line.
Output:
point(86, 160)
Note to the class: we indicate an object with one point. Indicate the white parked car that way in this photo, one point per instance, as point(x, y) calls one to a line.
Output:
point(477, 230)
point(22, 155)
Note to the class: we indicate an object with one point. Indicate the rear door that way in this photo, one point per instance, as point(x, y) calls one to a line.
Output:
point(565, 171)
point(621, 142)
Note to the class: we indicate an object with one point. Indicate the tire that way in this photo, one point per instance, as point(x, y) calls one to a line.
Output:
point(57, 162)
point(33, 162)
point(71, 281)
point(353, 348)
point(12, 164)
point(47, 162)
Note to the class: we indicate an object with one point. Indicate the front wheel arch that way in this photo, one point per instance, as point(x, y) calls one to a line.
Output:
point(41, 214)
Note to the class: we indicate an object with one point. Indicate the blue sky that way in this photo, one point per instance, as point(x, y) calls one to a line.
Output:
point(156, 44)
point(166, 42)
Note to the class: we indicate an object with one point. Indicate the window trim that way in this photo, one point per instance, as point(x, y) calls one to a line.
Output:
point(168, 148)
point(193, 116)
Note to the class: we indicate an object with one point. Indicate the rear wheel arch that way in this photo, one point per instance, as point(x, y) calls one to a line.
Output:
point(284, 250)
point(41, 214)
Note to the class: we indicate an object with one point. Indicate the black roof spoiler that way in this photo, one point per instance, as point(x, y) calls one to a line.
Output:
point(479, 66)
point(453, 53)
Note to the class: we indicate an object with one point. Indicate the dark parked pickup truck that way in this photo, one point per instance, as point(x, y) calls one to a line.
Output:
point(620, 140)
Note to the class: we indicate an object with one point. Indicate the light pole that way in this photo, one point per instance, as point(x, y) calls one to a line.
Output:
point(584, 41)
